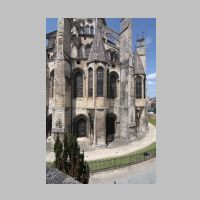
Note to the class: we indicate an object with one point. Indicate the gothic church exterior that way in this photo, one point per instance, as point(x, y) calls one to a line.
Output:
point(96, 83)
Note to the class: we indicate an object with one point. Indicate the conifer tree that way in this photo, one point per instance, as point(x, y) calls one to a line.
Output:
point(56, 143)
point(65, 154)
point(70, 160)
point(58, 149)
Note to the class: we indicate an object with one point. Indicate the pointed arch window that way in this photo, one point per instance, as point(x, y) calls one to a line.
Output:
point(100, 81)
point(87, 30)
point(113, 86)
point(81, 52)
point(81, 31)
point(78, 84)
point(81, 127)
point(90, 82)
point(74, 52)
point(87, 50)
point(138, 87)
point(92, 30)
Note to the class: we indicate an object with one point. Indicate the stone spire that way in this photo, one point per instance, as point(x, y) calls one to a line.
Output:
point(97, 52)
point(139, 69)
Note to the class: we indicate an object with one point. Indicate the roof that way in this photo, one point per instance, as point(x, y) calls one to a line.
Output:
point(139, 69)
point(103, 20)
point(97, 52)
point(51, 34)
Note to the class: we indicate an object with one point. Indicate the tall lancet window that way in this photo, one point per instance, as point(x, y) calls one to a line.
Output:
point(87, 50)
point(138, 87)
point(83, 51)
point(100, 81)
point(78, 84)
point(92, 30)
point(113, 86)
point(144, 88)
point(87, 30)
point(90, 82)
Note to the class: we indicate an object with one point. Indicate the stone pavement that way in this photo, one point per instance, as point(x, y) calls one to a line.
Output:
point(116, 149)
point(141, 173)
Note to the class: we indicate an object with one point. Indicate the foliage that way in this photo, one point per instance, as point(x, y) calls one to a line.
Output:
point(56, 143)
point(77, 167)
point(65, 154)
point(70, 160)
point(58, 149)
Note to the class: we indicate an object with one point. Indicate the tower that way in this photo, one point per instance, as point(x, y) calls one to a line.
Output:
point(141, 49)
point(98, 62)
point(140, 72)
point(61, 114)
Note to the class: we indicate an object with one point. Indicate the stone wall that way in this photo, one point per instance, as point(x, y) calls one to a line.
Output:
point(54, 176)
point(65, 107)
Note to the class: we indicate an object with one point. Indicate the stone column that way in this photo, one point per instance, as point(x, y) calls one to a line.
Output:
point(94, 84)
point(100, 127)
point(131, 102)
point(126, 79)
point(95, 137)
point(94, 96)
point(62, 69)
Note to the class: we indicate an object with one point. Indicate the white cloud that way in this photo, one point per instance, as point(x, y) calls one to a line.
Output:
point(151, 83)
point(151, 76)
point(148, 41)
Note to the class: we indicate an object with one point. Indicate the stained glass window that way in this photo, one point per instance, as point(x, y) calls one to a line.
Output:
point(90, 82)
point(100, 81)
point(78, 85)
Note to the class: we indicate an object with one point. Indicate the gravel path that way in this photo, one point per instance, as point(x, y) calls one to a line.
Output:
point(92, 153)
point(123, 149)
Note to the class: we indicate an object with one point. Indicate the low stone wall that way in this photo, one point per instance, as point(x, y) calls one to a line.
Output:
point(54, 176)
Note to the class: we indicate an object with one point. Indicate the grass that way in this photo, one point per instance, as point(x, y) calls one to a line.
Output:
point(152, 121)
point(120, 161)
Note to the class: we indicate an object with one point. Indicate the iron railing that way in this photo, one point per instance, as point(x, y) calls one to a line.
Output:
point(121, 161)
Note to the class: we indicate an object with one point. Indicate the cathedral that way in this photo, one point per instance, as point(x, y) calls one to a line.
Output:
point(95, 81)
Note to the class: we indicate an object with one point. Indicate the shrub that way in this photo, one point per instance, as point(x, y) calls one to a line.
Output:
point(70, 160)
point(58, 150)
point(73, 160)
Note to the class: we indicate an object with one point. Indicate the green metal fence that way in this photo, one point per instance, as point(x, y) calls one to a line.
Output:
point(121, 161)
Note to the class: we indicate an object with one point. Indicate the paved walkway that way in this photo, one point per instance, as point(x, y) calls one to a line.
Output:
point(112, 150)
point(141, 173)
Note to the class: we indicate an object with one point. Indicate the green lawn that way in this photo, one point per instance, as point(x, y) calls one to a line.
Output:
point(152, 121)
point(121, 161)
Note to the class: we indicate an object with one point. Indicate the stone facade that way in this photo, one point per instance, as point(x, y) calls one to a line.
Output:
point(96, 85)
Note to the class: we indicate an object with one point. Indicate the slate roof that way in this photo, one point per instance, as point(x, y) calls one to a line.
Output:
point(139, 69)
point(51, 34)
point(98, 52)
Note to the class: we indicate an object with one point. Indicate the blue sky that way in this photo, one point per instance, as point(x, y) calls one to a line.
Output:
point(139, 25)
